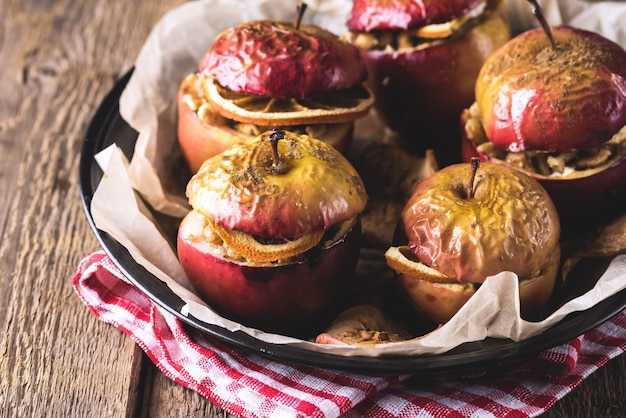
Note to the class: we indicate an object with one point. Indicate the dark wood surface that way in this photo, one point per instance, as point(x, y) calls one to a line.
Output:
point(59, 58)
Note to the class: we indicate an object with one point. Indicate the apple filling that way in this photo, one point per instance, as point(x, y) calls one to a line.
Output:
point(547, 164)
point(253, 250)
point(423, 36)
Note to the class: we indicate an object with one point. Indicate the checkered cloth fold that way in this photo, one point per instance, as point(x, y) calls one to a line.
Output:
point(253, 385)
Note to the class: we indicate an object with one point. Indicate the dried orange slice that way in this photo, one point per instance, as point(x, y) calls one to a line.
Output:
point(334, 107)
point(193, 97)
point(252, 249)
point(403, 261)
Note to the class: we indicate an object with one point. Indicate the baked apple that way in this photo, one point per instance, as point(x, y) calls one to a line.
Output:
point(556, 113)
point(423, 59)
point(363, 325)
point(265, 74)
point(465, 223)
point(274, 235)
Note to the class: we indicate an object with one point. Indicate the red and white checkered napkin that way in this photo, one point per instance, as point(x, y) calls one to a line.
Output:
point(252, 385)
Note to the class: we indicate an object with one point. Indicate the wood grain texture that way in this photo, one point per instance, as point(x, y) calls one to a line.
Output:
point(60, 58)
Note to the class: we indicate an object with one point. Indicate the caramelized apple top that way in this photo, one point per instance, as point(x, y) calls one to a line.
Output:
point(312, 188)
point(369, 15)
point(269, 58)
point(564, 99)
point(509, 224)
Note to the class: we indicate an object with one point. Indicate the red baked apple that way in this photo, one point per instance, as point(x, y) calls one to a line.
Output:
point(274, 234)
point(265, 74)
point(423, 59)
point(463, 224)
point(556, 113)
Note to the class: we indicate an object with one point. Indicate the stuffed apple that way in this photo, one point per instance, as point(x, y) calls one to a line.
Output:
point(274, 234)
point(465, 223)
point(557, 113)
point(423, 58)
point(264, 74)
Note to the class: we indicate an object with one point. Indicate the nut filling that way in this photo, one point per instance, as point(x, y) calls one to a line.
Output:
point(423, 36)
point(548, 164)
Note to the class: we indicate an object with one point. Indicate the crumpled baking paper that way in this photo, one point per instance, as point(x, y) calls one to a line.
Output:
point(148, 104)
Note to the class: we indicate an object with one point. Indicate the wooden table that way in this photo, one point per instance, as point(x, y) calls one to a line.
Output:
point(59, 59)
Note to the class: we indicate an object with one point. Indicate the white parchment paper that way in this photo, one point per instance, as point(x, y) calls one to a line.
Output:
point(148, 104)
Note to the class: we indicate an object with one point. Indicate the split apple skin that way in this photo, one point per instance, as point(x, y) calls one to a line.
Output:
point(289, 298)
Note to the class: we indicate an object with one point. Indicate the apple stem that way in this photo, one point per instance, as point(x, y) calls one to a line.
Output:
point(299, 13)
point(277, 165)
point(475, 163)
point(538, 12)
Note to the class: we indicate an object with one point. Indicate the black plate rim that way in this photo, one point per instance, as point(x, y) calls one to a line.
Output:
point(468, 358)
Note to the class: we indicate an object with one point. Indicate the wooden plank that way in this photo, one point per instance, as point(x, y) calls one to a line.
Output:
point(600, 395)
point(166, 398)
point(60, 58)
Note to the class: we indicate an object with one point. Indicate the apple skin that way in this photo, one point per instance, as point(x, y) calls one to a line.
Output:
point(510, 224)
point(576, 102)
point(285, 298)
point(369, 15)
point(582, 202)
point(420, 93)
point(434, 301)
point(200, 140)
point(270, 58)
point(240, 190)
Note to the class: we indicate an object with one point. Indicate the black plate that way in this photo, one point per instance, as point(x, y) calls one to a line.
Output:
point(107, 127)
